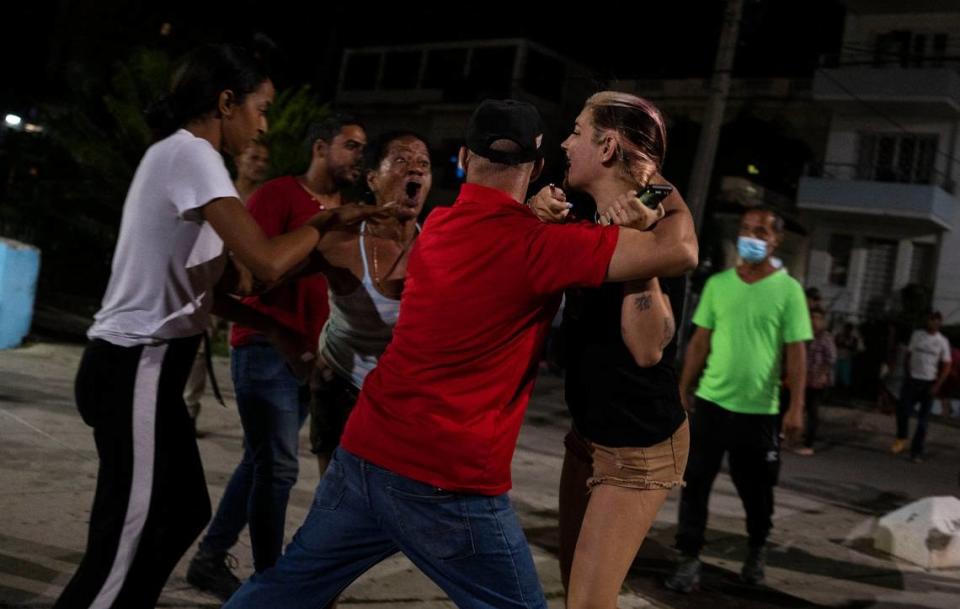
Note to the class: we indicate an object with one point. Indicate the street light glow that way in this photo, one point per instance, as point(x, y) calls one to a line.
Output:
point(12, 120)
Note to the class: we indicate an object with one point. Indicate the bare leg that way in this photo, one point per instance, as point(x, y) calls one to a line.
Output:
point(573, 504)
point(616, 522)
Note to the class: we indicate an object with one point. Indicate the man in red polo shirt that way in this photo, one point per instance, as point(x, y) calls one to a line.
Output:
point(424, 463)
point(271, 400)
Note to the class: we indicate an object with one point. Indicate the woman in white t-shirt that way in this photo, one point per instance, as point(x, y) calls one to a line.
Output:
point(182, 213)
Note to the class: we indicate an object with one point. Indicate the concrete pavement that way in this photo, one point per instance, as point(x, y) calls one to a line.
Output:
point(820, 555)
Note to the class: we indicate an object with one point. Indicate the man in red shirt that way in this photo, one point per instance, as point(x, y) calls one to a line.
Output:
point(271, 399)
point(424, 463)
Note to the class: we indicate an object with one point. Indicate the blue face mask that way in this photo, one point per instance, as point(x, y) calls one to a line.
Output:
point(751, 250)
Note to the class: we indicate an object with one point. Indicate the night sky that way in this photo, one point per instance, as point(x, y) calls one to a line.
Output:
point(42, 39)
point(63, 54)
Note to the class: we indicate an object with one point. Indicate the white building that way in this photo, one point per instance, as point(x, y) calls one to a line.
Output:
point(883, 209)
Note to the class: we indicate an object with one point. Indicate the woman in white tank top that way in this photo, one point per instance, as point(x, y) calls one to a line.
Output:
point(365, 269)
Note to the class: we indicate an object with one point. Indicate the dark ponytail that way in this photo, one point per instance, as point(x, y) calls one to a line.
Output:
point(195, 91)
point(639, 130)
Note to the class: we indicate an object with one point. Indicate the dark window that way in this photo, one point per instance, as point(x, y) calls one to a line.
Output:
point(921, 264)
point(877, 281)
point(543, 75)
point(839, 250)
point(897, 157)
point(884, 161)
point(919, 50)
point(908, 49)
point(444, 66)
point(361, 72)
point(401, 70)
point(926, 156)
point(892, 48)
point(491, 72)
point(939, 49)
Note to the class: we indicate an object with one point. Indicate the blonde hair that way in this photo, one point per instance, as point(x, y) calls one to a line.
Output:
point(638, 128)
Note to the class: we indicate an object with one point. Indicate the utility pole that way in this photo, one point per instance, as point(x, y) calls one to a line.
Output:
point(699, 185)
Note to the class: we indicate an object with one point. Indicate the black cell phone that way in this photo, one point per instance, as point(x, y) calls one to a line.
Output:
point(654, 194)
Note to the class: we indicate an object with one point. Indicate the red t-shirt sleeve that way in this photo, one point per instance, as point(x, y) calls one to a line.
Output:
point(562, 256)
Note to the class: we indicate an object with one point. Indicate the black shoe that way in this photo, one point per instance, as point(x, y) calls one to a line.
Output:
point(686, 578)
point(213, 573)
point(753, 568)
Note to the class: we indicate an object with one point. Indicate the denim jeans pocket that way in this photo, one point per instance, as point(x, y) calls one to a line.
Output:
point(436, 522)
point(331, 488)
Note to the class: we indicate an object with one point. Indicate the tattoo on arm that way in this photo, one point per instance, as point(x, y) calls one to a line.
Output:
point(643, 301)
point(668, 329)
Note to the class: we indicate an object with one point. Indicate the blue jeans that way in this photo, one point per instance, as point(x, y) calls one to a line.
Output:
point(472, 546)
point(273, 406)
point(914, 390)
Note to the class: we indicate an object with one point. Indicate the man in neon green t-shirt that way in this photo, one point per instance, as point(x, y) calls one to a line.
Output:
point(747, 317)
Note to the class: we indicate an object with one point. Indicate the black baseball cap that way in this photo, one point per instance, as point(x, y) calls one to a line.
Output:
point(505, 119)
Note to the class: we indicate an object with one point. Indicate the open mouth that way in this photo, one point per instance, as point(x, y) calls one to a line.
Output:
point(412, 189)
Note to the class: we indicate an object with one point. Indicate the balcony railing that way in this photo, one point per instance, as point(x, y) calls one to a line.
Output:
point(877, 173)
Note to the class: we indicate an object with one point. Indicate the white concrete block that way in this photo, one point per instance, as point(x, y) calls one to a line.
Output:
point(925, 532)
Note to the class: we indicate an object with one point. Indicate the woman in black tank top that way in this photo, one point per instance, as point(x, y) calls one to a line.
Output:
point(629, 440)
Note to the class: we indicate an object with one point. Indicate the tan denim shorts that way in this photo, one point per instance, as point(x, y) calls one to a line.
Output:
point(651, 467)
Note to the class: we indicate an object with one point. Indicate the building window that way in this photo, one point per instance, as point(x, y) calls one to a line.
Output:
point(839, 250)
point(892, 49)
point(921, 264)
point(939, 50)
point(543, 75)
point(443, 67)
point(897, 157)
point(905, 49)
point(491, 72)
point(877, 281)
point(919, 50)
point(401, 70)
point(361, 72)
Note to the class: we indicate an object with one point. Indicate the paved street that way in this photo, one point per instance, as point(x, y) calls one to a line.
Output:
point(821, 554)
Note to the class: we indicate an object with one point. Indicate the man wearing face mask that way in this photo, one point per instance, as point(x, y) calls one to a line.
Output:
point(746, 316)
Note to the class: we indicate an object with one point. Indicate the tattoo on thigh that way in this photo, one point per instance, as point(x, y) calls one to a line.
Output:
point(643, 301)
